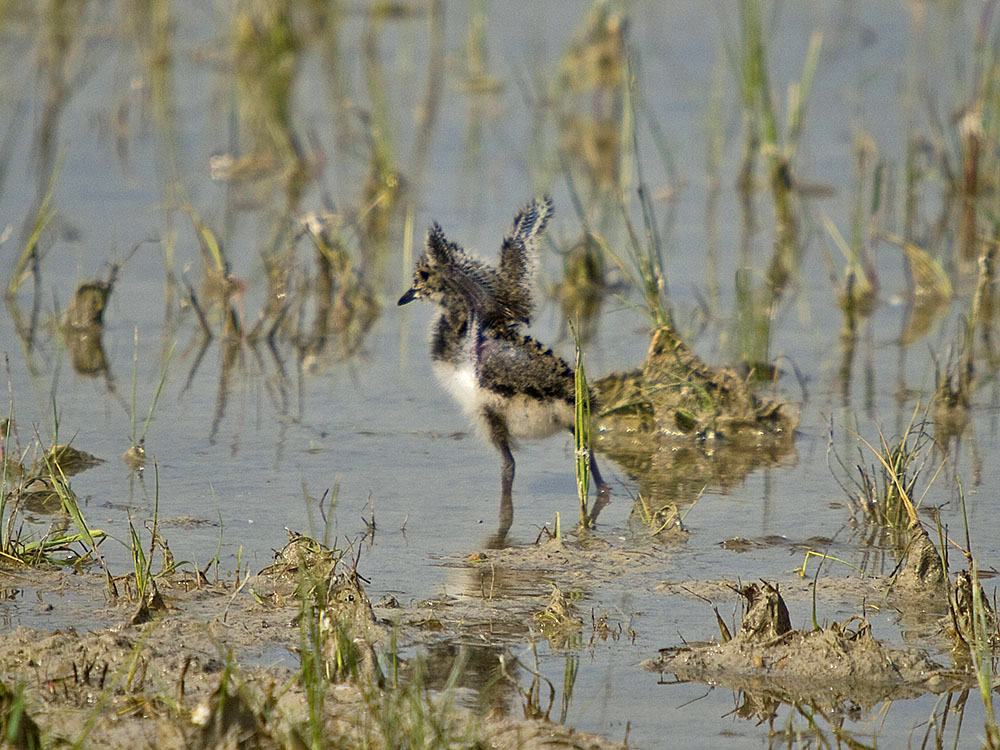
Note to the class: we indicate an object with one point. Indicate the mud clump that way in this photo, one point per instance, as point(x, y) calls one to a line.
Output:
point(766, 617)
point(39, 487)
point(88, 305)
point(560, 621)
point(827, 667)
point(964, 612)
point(677, 393)
point(677, 420)
point(921, 573)
point(83, 325)
point(305, 570)
point(65, 459)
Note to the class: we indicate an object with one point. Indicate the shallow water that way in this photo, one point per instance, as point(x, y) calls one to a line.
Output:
point(242, 432)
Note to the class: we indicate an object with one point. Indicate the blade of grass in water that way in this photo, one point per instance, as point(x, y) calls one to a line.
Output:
point(4, 540)
point(135, 378)
point(581, 430)
point(159, 390)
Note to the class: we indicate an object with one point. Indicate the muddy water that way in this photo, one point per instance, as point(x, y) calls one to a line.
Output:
point(126, 121)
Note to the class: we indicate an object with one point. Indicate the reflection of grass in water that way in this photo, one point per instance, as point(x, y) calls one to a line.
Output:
point(346, 303)
point(588, 97)
point(29, 258)
point(538, 698)
point(857, 291)
point(561, 626)
point(266, 47)
point(950, 165)
point(755, 309)
point(956, 380)
point(478, 79)
point(760, 113)
point(960, 141)
point(384, 186)
point(597, 103)
point(765, 138)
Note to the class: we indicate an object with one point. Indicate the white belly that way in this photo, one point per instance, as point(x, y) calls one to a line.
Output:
point(460, 382)
point(527, 417)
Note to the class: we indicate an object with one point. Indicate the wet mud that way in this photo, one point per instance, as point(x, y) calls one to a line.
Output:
point(217, 663)
point(218, 666)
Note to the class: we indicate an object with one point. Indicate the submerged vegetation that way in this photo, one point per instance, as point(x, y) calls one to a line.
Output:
point(271, 166)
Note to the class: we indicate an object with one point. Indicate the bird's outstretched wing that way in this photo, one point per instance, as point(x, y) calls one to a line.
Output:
point(519, 259)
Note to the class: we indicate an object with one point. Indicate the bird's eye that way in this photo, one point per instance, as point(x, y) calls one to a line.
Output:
point(424, 275)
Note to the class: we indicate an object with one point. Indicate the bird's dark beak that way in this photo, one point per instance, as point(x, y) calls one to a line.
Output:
point(411, 294)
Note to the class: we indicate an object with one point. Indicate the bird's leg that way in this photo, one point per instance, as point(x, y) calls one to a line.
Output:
point(500, 437)
point(506, 484)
